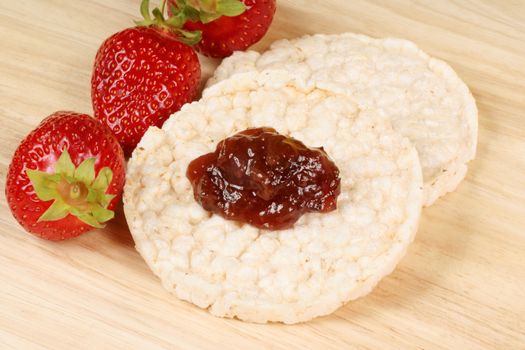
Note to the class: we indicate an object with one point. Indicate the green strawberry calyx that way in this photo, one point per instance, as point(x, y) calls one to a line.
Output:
point(203, 11)
point(75, 191)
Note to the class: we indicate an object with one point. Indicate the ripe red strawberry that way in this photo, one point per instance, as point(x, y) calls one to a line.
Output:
point(65, 177)
point(227, 33)
point(140, 77)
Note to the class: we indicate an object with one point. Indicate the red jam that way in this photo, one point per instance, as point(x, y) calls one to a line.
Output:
point(265, 179)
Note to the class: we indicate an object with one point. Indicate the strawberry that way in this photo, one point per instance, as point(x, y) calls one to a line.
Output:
point(143, 75)
point(65, 177)
point(226, 25)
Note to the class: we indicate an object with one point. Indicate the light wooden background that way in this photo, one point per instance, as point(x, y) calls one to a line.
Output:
point(461, 286)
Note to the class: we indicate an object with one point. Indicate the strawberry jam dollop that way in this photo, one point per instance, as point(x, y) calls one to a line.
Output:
point(265, 179)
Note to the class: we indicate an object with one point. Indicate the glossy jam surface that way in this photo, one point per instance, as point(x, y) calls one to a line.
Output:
point(266, 179)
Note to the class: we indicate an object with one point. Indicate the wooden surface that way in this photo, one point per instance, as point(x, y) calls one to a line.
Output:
point(461, 286)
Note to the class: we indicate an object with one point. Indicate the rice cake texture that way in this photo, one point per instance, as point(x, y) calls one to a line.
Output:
point(423, 96)
point(236, 270)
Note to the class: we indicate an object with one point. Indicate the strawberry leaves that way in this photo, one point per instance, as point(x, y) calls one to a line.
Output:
point(204, 11)
point(173, 23)
point(42, 184)
point(58, 210)
point(64, 165)
point(85, 171)
point(230, 8)
point(74, 191)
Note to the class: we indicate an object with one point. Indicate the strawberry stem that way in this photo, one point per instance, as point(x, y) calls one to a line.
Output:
point(74, 192)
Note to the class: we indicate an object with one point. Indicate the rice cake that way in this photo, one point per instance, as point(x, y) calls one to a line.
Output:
point(293, 275)
point(423, 96)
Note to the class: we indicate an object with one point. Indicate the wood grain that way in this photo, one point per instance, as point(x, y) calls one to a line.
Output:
point(461, 286)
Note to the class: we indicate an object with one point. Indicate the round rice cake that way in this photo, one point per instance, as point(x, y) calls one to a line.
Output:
point(293, 275)
point(423, 96)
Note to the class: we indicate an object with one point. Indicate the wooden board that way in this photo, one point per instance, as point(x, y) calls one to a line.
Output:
point(461, 286)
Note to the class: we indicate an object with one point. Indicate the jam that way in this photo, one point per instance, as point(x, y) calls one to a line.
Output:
point(266, 179)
